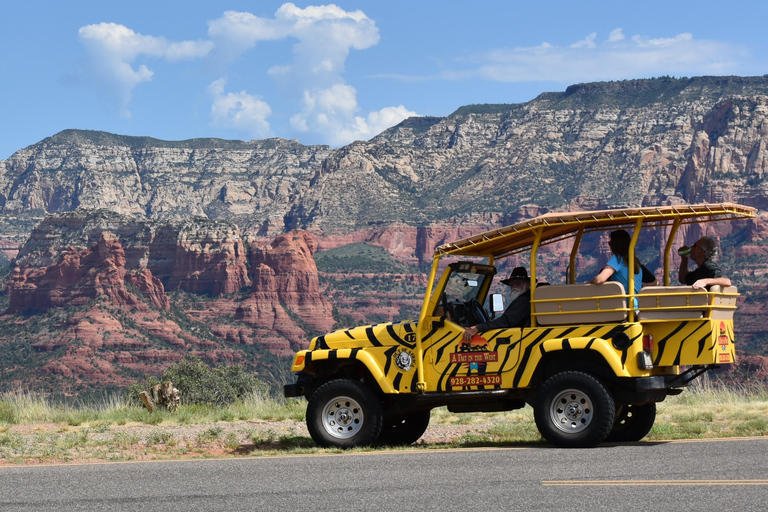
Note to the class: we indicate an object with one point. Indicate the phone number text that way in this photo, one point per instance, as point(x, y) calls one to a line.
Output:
point(475, 380)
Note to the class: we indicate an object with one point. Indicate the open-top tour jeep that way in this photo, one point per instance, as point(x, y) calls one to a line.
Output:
point(592, 367)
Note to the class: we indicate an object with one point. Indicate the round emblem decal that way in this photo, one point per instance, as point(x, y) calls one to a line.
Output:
point(404, 360)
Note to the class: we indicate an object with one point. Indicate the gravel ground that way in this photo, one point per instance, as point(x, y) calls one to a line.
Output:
point(52, 443)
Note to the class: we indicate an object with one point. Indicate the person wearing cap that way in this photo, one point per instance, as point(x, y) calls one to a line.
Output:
point(517, 314)
point(707, 272)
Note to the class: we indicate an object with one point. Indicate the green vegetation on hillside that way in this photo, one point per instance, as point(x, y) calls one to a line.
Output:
point(641, 93)
point(359, 257)
point(417, 125)
point(484, 108)
point(110, 139)
point(380, 298)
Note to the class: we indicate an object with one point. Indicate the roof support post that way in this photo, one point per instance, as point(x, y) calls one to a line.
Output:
point(534, 250)
point(668, 248)
point(421, 327)
point(631, 266)
point(574, 251)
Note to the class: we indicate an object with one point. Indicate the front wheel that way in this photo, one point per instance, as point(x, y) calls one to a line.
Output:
point(403, 429)
point(633, 422)
point(344, 413)
point(574, 410)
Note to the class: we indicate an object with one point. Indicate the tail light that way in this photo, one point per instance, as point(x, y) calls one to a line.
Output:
point(648, 343)
point(644, 359)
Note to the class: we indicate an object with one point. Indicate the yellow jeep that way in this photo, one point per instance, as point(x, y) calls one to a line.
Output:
point(591, 367)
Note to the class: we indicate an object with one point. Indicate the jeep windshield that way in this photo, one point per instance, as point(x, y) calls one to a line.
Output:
point(465, 288)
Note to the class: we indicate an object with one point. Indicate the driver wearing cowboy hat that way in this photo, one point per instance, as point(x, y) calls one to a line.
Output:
point(517, 314)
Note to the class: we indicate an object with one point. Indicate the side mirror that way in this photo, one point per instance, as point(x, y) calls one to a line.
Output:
point(497, 302)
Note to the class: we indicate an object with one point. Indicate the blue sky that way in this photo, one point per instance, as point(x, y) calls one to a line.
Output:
point(327, 73)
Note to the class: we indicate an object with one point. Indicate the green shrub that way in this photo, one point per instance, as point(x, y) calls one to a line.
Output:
point(11, 440)
point(231, 442)
point(159, 437)
point(209, 435)
point(8, 412)
point(199, 384)
point(125, 439)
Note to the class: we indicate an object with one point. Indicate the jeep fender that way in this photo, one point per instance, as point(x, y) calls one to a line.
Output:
point(595, 345)
point(362, 356)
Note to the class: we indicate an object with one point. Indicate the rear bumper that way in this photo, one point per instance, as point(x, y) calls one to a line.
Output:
point(652, 389)
point(670, 382)
point(656, 382)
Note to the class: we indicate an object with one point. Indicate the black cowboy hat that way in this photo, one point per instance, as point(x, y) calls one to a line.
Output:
point(517, 273)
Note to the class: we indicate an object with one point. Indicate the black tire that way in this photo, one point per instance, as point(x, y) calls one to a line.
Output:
point(574, 410)
point(403, 429)
point(633, 422)
point(344, 413)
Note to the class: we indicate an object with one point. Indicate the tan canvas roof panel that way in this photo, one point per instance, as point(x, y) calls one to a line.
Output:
point(521, 236)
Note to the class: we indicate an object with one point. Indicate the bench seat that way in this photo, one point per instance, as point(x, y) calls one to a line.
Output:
point(684, 303)
point(721, 301)
point(580, 304)
point(662, 303)
point(576, 304)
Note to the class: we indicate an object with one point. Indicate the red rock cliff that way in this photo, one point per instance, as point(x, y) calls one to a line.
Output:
point(80, 275)
point(210, 258)
point(285, 277)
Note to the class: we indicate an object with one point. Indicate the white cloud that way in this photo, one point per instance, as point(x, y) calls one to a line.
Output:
point(664, 42)
point(614, 59)
point(188, 50)
point(239, 111)
point(322, 38)
point(386, 118)
point(587, 42)
point(333, 111)
point(616, 35)
point(236, 32)
point(112, 48)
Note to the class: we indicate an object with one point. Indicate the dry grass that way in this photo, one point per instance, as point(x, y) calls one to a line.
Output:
point(33, 431)
point(709, 410)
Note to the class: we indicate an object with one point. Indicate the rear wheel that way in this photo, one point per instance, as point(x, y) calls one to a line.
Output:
point(633, 422)
point(574, 410)
point(403, 429)
point(344, 413)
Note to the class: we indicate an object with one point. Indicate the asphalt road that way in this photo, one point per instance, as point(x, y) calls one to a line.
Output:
point(721, 475)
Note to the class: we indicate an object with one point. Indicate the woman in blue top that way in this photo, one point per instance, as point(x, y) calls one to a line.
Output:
point(617, 268)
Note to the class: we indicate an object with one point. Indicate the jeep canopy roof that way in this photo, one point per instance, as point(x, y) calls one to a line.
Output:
point(552, 227)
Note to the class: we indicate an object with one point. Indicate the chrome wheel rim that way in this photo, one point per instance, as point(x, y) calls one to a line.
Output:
point(571, 411)
point(343, 417)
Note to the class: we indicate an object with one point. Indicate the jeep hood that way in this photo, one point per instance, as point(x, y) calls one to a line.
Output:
point(380, 335)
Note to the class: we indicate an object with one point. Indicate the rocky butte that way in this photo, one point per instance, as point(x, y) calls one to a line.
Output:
point(125, 297)
point(148, 250)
